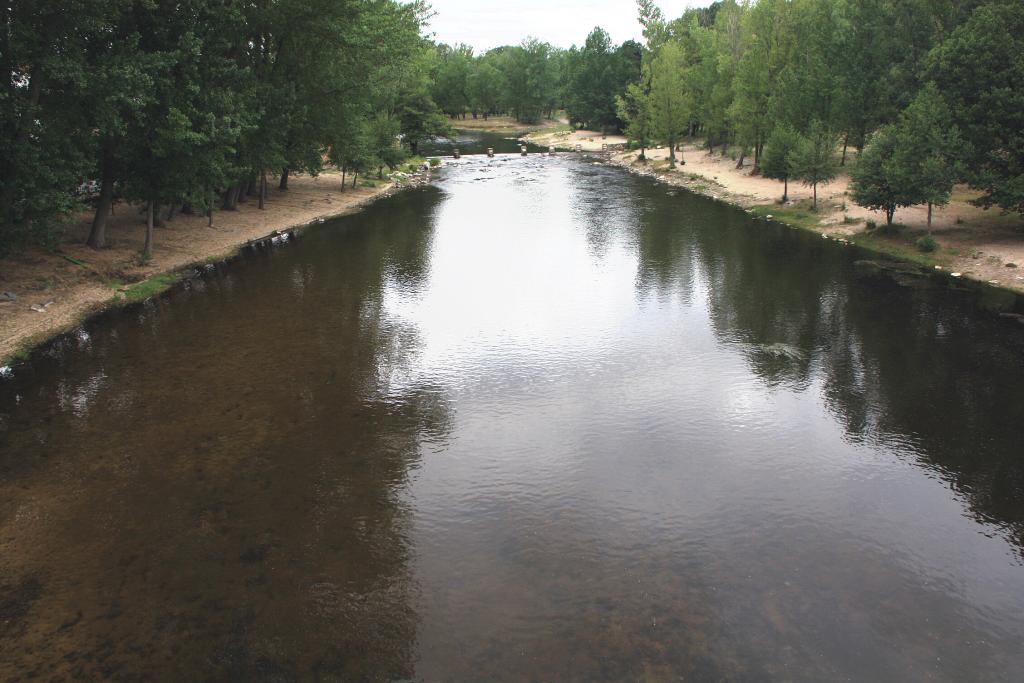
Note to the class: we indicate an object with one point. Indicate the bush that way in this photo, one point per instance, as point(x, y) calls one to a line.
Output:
point(926, 244)
point(870, 225)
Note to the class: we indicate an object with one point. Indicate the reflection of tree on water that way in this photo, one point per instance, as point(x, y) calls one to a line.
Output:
point(923, 368)
point(232, 509)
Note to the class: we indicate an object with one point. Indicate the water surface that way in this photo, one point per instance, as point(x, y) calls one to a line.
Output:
point(542, 421)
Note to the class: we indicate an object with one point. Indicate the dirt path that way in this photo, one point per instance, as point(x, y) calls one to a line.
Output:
point(982, 244)
point(67, 292)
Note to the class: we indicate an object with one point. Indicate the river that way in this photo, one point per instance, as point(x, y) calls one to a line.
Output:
point(542, 420)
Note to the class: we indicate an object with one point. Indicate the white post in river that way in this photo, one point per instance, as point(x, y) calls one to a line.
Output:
point(522, 150)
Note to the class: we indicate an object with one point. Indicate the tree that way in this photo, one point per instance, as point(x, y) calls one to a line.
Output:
point(812, 160)
point(979, 69)
point(777, 161)
point(451, 80)
point(487, 85)
point(928, 149)
point(766, 37)
point(634, 108)
point(875, 182)
point(531, 77)
point(669, 102)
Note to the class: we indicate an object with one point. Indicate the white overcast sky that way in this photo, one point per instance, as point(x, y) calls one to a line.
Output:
point(489, 23)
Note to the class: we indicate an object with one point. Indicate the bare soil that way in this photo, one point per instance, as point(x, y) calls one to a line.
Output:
point(68, 292)
point(502, 124)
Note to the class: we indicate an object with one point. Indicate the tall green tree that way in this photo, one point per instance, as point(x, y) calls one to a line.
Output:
point(778, 157)
point(876, 182)
point(670, 103)
point(979, 69)
point(812, 159)
point(929, 149)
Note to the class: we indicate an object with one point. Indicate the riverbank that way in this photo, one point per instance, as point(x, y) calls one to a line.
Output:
point(507, 125)
point(56, 290)
point(979, 244)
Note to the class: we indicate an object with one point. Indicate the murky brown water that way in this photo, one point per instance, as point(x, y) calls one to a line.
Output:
point(545, 421)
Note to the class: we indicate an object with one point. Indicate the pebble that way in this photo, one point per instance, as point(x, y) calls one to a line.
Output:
point(955, 274)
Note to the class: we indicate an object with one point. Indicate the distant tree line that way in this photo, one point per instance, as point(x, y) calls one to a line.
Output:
point(188, 104)
point(929, 92)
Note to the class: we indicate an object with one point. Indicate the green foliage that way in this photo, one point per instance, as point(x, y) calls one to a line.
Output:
point(979, 69)
point(172, 103)
point(531, 78)
point(670, 104)
point(914, 161)
point(634, 108)
point(778, 154)
point(812, 159)
point(873, 184)
point(596, 75)
point(926, 244)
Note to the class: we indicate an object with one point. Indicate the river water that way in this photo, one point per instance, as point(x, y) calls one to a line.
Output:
point(543, 420)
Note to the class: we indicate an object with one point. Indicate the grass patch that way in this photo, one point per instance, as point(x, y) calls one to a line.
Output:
point(895, 246)
point(149, 288)
point(798, 216)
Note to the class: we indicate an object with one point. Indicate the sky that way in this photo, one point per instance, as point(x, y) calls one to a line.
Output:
point(489, 23)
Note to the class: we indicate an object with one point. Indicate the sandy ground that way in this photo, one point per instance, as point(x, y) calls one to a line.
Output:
point(502, 124)
point(39, 277)
point(982, 244)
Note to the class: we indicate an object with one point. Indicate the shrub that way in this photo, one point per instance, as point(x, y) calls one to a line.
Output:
point(870, 225)
point(926, 244)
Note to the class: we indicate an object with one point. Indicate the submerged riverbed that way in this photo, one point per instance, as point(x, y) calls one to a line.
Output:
point(541, 421)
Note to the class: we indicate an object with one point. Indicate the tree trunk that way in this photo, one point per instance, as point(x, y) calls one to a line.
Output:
point(814, 187)
point(890, 211)
point(929, 215)
point(846, 143)
point(283, 185)
point(263, 188)
point(355, 176)
point(231, 198)
point(344, 169)
point(743, 153)
point(671, 153)
point(98, 233)
point(147, 248)
point(415, 147)
point(785, 189)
